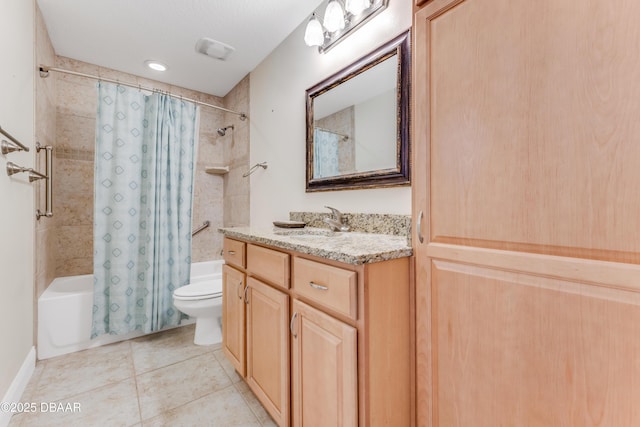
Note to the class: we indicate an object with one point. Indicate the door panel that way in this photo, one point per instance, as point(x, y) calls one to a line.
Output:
point(268, 348)
point(233, 317)
point(325, 371)
point(515, 349)
point(534, 110)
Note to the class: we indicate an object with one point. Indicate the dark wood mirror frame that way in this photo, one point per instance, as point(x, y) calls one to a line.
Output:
point(401, 174)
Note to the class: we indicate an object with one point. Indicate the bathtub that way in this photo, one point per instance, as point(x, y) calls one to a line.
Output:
point(64, 313)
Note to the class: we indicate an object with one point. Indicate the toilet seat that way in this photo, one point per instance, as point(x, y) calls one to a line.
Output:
point(198, 291)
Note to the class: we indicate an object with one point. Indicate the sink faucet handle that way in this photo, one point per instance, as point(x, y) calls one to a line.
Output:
point(337, 215)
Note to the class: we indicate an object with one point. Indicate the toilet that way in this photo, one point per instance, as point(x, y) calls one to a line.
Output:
point(202, 300)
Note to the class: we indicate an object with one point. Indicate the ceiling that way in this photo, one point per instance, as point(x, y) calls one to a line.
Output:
point(123, 34)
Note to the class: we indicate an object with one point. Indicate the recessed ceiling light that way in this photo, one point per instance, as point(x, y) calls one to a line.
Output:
point(155, 65)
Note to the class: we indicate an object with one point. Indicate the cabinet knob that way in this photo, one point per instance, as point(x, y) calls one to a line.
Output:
point(293, 319)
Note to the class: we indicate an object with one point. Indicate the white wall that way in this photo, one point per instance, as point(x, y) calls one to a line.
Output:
point(277, 117)
point(16, 205)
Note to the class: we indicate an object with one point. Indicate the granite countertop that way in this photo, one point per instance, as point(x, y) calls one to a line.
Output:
point(348, 247)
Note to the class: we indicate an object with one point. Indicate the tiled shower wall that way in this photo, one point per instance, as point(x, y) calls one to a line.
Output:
point(67, 116)
point(236, 154)
point(46, 135)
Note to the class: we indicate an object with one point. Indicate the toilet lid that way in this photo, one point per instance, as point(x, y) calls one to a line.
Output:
point(206, 289)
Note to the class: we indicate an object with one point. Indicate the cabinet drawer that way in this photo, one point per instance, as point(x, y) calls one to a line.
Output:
point(234, 252)
point(333, 287)
point(268, 264)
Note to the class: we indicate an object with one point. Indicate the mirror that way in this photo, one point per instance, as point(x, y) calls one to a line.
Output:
point(358, 123)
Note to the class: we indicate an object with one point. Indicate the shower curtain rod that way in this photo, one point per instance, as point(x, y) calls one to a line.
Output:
point(333, 132)
point(44, 73)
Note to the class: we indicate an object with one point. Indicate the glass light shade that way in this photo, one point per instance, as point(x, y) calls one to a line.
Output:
point(314, 34)
point(333, 17)
point(356, 7)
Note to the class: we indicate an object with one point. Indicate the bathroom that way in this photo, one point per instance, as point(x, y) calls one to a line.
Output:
point(62, 114)
point(514, 302)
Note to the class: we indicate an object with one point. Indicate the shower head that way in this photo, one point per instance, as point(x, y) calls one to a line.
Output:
point(223, 131)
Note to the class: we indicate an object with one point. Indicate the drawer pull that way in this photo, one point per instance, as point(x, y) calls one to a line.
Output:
point(293, 319)
point(246, 299)
point(231, 252)
point(316, 286)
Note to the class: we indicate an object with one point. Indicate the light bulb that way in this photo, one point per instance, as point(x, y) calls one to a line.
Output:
point(155, 65)
point(356, 7)
point(333, 17)
point(314, 34)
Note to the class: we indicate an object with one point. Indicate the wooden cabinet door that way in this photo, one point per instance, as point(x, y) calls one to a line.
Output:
point(526, 185)
point(268, 348)
point(324, 369)
point(233, 317)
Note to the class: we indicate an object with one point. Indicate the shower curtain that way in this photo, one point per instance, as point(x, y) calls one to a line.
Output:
point(144, 171)
point(325, 154)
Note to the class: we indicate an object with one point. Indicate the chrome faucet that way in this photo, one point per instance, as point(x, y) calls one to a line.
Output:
point(336, 221)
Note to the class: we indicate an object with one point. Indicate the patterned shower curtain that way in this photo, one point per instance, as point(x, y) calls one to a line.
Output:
point(325, 153)
point(144, 169)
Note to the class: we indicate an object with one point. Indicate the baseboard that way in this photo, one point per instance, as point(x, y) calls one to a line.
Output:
point(19, 383)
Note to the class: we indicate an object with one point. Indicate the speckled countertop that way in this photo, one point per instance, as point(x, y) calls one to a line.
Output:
point(348, 247)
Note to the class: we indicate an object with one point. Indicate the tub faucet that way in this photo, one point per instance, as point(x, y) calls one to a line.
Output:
point(336, 221)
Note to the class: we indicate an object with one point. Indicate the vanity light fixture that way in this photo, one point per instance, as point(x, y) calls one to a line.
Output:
point(314, 34)
point(340, 21)
point(334, 16)
point(155, 65)
point(356, 7)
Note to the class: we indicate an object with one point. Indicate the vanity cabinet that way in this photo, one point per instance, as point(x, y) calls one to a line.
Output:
point(234, 252)
point(324, 369)
point(268, 348)
point(233, 315)
point(324, 349)
point(257, 323)
point(327, 343)
point(233, 303)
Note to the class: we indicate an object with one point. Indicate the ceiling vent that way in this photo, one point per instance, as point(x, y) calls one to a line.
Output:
point(214, 48)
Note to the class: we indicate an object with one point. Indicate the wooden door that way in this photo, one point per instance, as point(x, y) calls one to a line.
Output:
point(268, 348)
point(233, 317)
point(526, 124)
point(324, 369)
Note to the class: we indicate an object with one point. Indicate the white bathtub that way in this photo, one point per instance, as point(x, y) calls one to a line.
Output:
point(64, 312)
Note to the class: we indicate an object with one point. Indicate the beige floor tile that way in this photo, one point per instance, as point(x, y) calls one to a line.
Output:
point(163, 349)
point(227, 366)
point(32, 385)
point(225, 408)
point(111, 405)
point(169, 387)
point(183, 384)
point(79, 372)
point(254, 404)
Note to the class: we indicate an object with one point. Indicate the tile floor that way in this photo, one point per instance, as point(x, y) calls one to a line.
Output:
point(161, 379)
